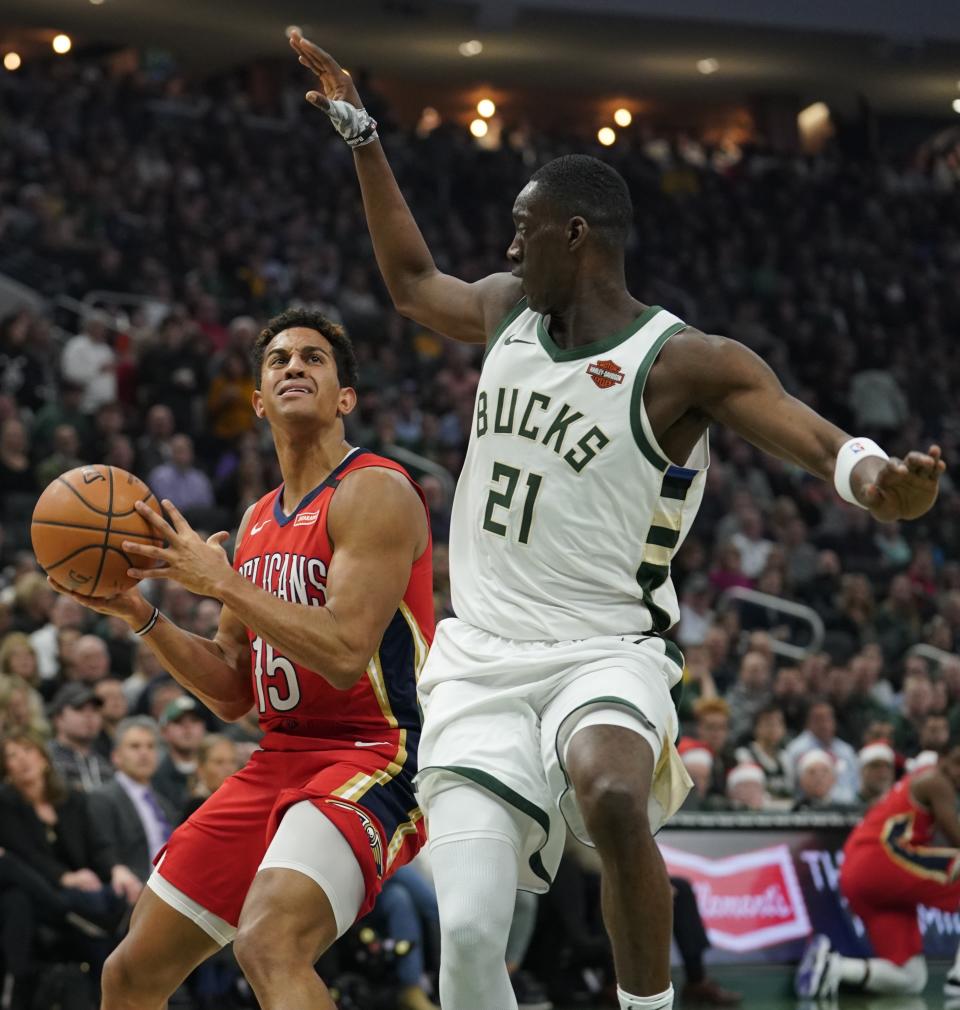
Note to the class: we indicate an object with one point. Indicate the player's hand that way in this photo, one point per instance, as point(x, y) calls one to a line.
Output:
point(905, 488)
point(197, 564)
point(129, 606)
point(334, 83)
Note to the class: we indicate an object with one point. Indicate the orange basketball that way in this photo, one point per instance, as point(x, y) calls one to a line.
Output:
point(80, 522)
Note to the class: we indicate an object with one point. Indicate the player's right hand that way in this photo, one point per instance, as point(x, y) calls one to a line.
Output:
point(129, 605)
point(335, 83)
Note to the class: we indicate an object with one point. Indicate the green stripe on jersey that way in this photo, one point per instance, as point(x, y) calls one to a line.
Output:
point(662, 537)
point(598, 346)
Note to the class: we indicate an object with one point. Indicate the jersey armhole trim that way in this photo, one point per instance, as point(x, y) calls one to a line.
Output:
point(487, 781)
point(645, 443)
point(504, 323)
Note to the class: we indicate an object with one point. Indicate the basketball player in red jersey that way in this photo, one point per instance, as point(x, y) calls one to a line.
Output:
point(889, 868)
point(327, 617)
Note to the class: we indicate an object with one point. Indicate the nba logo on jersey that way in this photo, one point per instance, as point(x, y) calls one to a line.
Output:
point(605, 373)
point(306, 518)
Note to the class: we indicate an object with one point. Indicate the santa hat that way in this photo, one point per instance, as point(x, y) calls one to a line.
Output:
point(878, 750)
point(925, 759)
point(746, 772)
point(817, 756)
point(694, 754)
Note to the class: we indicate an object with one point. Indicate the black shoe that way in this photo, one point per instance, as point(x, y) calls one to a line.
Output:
point(529, 992)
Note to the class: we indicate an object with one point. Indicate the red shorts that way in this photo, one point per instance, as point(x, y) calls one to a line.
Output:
point(215, 855)
point(884, 887)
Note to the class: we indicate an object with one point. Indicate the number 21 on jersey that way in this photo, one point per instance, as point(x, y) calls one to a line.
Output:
point(507, 478)
point(275, 677)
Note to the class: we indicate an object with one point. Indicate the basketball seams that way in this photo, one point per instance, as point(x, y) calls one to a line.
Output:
point(71, 556)
point(133, 534)
point(106, 533)
point(73, 490)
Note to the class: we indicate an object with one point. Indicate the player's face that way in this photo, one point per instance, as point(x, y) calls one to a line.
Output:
point(539, 253)
point(299, 380)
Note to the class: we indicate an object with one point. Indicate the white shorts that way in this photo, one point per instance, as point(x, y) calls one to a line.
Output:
point(500, 712)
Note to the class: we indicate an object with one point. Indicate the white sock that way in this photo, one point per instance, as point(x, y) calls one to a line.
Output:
point(661, 1001)
point(880, 976)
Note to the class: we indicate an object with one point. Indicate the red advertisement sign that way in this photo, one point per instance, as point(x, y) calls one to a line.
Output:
point(748, 901)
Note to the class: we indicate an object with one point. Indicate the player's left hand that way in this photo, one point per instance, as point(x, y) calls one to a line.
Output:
point(905, 488)
point(197, 564)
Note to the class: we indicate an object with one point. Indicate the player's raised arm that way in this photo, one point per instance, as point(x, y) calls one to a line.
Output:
point(465, 311)
point(730, 384)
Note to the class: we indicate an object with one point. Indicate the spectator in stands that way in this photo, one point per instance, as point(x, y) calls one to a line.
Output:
point(153, 446)
point(746, 788)
point(713, 729)
point(187, 486)
point(56, 866)
point(898, 623)
point(137, 818)
point(821, 735)
point(877, 772)
point(217, 759)
point(696, 613)
point(934, 732)
point(853, 710)
point(728, 572)
point(183, 729)
point(229, 398)
point(18, 658)
point(66, 455)
point(113, 710)
point(21, 708)
point(749, 694)
point(89, 361)
point(753, 546)
point(916, 705)
point(766, 750)
point(817, 781)
point(174, 371)
point(75, 712)
point(91, 660)
point(698, 760)
point(33, 597)
point(64, 613)
point(64, 409)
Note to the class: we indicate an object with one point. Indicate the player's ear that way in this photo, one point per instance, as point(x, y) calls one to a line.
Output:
point(347, 401)
point(577, 231)
point(257, 401)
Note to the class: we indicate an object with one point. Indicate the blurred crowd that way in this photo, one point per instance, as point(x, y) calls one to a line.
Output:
point(180, 217)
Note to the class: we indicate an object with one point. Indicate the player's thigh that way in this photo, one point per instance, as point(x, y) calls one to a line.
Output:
point(161, 948)
point(894, 933)
point(307, 892)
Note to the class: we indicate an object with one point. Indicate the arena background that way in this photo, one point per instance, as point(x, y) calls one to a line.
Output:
point(164, 189)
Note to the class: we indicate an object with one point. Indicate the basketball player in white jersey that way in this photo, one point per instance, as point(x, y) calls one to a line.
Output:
point(548, 698)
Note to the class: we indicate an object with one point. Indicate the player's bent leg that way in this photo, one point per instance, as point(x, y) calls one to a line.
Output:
point(611, 769)
point(164, 944)
point(474, 843)
point(307, 893)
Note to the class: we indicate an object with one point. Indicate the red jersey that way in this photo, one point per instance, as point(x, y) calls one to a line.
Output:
point(289, 556)
point(896, 819)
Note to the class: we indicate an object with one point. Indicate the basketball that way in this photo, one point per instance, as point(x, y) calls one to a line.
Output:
point(80, 522)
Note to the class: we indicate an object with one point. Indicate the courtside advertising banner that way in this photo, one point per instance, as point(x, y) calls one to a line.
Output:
point(762, 893)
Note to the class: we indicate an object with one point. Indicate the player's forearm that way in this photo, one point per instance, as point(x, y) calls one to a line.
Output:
point(200, 667)
point(398, 244)
point(309, 636)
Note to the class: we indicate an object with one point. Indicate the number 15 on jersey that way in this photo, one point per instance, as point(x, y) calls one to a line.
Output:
point(506, 480)
point(275, 677)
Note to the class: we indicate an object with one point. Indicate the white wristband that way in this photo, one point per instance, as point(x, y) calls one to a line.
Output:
point(850, 454)
point(356, 126)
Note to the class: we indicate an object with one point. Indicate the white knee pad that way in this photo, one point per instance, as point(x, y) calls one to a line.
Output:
point(309, 843)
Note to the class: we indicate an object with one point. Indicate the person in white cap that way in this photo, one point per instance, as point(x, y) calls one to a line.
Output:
point(876, 771)
point(816, 779)
point(747, 787)
point(889, 868)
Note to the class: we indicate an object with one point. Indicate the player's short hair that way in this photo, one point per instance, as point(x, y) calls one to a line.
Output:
point(342, 346)
point(580, 186)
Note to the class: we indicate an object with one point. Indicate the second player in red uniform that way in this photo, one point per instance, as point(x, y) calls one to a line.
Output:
point(890, 866)
point(327, 618)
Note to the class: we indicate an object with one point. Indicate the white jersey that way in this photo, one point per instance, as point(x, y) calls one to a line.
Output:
point(567, 513)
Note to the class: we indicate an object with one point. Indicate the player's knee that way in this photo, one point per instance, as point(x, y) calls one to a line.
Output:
point(614, 809)
point(120, 982)
point(468, 938)
point(268, 954)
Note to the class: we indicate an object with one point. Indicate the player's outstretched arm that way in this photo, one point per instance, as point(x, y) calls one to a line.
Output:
point(730, 384)
point(464, 311)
